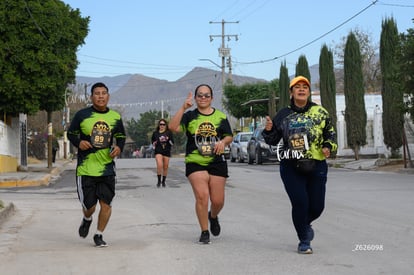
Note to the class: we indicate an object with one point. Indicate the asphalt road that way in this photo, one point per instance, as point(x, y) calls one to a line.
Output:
point(367, 227)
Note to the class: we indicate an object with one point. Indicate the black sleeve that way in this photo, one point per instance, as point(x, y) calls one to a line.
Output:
point(120, 135)
point(273, 136)
point(73, 133)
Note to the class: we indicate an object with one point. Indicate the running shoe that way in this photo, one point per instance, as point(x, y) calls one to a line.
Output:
point(99, 242)
point(205, 237)
point(304, 248)
point(214, 225)
point(84, 228)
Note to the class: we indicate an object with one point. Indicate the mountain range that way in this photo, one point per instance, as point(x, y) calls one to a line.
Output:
point(133, 94)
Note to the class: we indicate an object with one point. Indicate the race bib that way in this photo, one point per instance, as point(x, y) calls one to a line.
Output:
point(101, 135)
point(205, 149)
point(299, 142)
point(205, 138)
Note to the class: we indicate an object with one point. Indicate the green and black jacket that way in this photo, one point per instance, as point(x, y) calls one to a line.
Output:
point(304, 131)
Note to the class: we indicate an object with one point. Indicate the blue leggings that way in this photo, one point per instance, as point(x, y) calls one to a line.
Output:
point(306, 193)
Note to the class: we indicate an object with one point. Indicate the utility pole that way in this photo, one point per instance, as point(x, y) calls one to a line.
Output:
point(223, 51)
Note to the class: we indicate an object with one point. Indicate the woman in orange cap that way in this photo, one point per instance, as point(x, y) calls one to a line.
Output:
point(308, 139)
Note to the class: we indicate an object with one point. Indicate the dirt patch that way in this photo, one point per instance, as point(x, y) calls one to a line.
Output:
point(31, 160)
point(391, 166)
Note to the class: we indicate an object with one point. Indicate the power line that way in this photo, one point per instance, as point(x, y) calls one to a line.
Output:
point(396, 5)
point(313, 41)
point(129, 62)
point(246, 7)
point(142, 68)
point(256, 9)
point(232, 5)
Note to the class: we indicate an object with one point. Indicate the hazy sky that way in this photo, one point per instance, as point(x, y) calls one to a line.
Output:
point(166, 39)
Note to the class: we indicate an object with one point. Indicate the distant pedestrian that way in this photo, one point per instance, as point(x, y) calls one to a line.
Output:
point(136, 153)
point(93, 131)
point(162, 140)
point(308, 139)
point(55, 148)
point(208, 133)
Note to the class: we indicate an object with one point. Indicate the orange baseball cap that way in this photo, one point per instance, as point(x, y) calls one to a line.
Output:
point(298, 79)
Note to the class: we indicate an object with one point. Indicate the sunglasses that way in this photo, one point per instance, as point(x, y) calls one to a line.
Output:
point(203, 95)
point(162, 124)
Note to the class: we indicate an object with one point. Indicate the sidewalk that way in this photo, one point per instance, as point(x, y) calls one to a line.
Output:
point(370, 164)
point(37, 174)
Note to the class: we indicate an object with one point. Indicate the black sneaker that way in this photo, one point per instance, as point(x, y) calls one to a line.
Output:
point(214, 225)
point(205, 237)
point(84, 228)
point(98, 241)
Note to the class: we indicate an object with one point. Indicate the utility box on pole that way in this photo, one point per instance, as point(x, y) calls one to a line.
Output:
point(223, 51)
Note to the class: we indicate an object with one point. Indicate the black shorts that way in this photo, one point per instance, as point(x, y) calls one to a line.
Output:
point(164, 153)
point(92, 189)
point(216, 169)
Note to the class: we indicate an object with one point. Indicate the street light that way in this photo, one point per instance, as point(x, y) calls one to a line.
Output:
point(221, 67)
point(205, 59)
point(86, 85)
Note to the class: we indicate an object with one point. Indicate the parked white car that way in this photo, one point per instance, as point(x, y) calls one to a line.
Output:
point(238, 148)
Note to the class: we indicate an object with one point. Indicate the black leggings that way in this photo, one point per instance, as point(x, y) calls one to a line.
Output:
point(306, 193)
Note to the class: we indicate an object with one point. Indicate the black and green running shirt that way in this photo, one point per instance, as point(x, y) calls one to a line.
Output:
point(100, 129)
point(202, 132)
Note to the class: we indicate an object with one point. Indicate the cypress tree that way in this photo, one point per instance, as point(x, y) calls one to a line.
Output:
point(406, 59)
point(302, 68)
point(273, 88)
point(327, 82)
point(355, 113)
point(284, 97)
point(392, 93)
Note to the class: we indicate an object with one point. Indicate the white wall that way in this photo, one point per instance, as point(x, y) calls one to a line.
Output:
point(375, 139)
point(10, 138)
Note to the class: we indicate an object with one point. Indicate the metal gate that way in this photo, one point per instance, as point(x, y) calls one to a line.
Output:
point(23, 143)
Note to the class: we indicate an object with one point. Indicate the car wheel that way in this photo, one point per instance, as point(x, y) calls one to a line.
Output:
point(249, 159)
point(258, 157)
point(239, 158)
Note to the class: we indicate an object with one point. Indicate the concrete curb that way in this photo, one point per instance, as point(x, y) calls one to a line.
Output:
point(25, 182)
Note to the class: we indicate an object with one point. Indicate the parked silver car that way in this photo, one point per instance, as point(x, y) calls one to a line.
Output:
point(238, 148)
